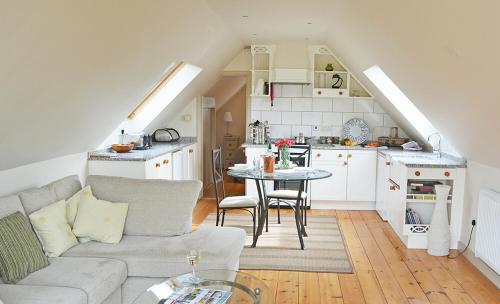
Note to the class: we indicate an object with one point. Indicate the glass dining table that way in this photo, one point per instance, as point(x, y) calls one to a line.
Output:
point(300, 175)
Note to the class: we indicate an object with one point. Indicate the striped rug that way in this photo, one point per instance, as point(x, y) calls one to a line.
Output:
point(279, 249)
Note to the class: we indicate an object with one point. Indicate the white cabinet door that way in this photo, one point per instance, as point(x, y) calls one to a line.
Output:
point(189, 162)
point(178, 161)
point(334, 187)
point(361, 175)
point(381, 194)
point(160, 167)
point(250, 186)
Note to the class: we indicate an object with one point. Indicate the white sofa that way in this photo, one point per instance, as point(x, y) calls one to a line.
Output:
point(156, 238)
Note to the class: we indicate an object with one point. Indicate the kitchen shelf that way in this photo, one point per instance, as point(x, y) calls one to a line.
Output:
point(416, 229)
point(423, 198)
point(331, 72)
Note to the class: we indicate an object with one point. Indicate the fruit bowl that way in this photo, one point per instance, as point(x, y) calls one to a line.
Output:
point(122, 148)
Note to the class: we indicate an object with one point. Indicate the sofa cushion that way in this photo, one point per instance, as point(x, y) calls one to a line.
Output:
point(147, 256)
point(156, 207)
point(25, 294)
point(74, 201)
point(20, 250)
point(98, 277)
point(9, 205)
point(36, 198)
point(66, 187)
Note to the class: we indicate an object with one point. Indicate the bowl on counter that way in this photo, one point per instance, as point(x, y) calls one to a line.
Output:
point(122, 148)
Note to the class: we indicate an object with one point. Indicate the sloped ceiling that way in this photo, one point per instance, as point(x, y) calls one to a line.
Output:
point(71, 71)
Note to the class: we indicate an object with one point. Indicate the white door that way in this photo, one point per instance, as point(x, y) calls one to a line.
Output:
point(381, 194)
point(177, 165)
point(361, 175)
point(334, 187)
point(189, 162)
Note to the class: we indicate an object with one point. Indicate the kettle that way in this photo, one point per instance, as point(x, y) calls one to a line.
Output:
point(337, 81)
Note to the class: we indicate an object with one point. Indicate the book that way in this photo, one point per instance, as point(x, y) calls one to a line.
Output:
point(191, 295)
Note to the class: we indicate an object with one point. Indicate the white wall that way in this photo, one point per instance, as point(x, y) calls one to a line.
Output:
point(185, 128)
point(41, 173)
point(479, 177)
point(294, 111)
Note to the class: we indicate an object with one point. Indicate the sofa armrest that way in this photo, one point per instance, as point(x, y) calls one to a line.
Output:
point(31, 294)
point(156, 207)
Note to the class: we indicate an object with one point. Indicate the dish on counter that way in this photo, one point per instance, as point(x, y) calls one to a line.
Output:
point(356, 130)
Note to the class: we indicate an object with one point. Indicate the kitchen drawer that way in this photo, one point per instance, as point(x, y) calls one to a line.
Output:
point(329, 155)
point(325, 92)
point(231, 144)
point(431, 173)
point(228, 154)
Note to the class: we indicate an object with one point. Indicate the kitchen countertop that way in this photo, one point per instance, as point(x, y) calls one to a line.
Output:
point(158, 149)
point(411, 159)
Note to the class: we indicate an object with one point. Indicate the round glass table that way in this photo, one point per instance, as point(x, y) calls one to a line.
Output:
point(244, 287)
point(300, 174)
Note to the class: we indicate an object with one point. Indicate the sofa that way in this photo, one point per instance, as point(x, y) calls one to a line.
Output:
point(157, 235)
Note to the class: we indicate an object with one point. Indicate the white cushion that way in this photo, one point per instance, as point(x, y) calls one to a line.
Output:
point(286, 194)
point(52, 228)
point(238, 201)
point(100, 220)
point(72, 204)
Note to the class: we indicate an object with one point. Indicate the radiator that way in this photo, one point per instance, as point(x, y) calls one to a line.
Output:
point(488, 229)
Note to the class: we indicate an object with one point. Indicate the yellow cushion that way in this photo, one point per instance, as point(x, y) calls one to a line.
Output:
point(72, 204)
point(52, 228)
point(100, 220)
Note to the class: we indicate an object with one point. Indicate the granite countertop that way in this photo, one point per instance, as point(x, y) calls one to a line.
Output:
point(411, 159)
point(158, 149)
point(423, 159)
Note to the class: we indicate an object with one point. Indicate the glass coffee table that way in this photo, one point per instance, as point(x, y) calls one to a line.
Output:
point(245, 288)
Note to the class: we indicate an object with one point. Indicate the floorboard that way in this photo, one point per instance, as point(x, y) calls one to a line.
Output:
point(385, 271)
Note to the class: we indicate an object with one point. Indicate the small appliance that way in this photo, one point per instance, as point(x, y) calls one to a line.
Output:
point(166, 135)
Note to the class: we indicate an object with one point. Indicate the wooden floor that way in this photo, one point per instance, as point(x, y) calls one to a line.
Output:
point(384, 270)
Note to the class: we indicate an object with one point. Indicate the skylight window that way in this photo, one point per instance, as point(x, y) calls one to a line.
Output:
point(178, 77)
point(400, 101)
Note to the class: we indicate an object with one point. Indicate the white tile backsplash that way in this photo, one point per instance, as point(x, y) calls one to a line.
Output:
point(305, 130)
point(291, 118)
point(273, 118)
point(342, 105)
point(363, 105)
point(294, 111)
point(301, 104)
point(282, 104)
point(312, 118)
point(322, 104)
point(332, 119)
point(280, 131)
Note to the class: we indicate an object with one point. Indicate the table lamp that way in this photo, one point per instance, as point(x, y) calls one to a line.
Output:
point(228, 118)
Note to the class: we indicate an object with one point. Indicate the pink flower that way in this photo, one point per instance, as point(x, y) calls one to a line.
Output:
point(284, 142)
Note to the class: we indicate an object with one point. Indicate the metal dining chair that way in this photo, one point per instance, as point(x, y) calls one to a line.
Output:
point(286, 191)
point(224, 203)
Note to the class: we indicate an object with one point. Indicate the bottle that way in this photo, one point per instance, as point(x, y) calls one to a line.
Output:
point(269, 160)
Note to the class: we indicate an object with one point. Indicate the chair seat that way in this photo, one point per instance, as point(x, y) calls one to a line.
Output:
point(238, 202)
point(286, 194)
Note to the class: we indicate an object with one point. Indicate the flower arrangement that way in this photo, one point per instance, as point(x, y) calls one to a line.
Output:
point(288, 142)
point(283, 146)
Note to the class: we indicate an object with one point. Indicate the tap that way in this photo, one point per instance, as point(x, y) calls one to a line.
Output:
point(434, 150)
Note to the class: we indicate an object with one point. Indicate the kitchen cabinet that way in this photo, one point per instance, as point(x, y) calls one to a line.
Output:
point(156, 168)
point(361, 175)
point(382, 186)
point(189, 164)
point(334, 187)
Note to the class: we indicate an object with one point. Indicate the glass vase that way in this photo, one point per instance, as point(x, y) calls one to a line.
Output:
point(285, 157)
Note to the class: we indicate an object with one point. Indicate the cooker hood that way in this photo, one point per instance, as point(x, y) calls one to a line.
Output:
point(291, 64)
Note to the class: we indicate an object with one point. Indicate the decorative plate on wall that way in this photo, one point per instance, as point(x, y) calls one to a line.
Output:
point(356, 130)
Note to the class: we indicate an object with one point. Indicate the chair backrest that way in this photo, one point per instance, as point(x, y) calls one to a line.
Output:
point(217, 175)
point(301, 156)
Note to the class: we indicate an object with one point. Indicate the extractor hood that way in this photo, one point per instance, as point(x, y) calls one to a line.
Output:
point(291, 64)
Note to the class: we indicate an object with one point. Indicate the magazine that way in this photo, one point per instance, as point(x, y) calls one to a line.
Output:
point(191, 295)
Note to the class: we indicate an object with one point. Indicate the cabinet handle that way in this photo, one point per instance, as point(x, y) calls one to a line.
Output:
point(392, 187)
point(165, 161)
point(340, 155)
point(340, 92)
point(345, 163)
point(417, 173)
point(190, 150)
point(447, 174)
point(349, 155)
point(387, 163)
point(318, 155)
point(157, 165)
point(319, 92)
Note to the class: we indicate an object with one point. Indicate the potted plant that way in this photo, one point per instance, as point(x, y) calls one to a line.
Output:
point(283, 146)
